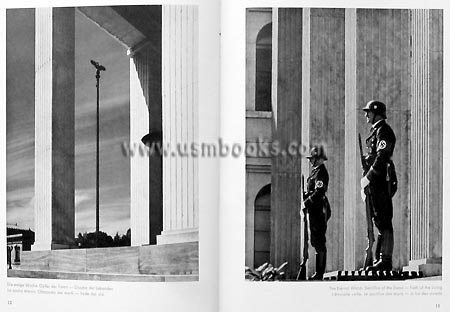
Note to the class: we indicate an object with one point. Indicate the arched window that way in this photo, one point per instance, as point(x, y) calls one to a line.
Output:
point(262, 227)
point(263, 96)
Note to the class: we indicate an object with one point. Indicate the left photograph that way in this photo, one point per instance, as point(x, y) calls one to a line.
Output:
point(94, 97)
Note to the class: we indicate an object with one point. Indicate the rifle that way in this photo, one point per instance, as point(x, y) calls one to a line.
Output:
point(369, 206)
point(302, 272)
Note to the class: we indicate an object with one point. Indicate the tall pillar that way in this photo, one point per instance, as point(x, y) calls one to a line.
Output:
point(324, 111)
point(286, 170)
point(377, 67)
point(180, 124)
point(146, 117)
point(274, 92)
point(306, 119)
point(435, 131)
point(54, 128)
point(426, 140)
point(351, 161)
point(139, 164)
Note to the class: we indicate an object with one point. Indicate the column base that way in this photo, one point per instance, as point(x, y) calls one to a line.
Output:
point(44, 246)
point(180, 236)
point(429, 266)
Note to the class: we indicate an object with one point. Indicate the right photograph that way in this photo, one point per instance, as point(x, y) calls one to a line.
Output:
point(344, 141)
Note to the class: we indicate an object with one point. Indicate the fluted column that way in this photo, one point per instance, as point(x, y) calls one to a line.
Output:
point(324, 92)
point(426, 135)
point(54, 128)
point(180, 97)
point(306, 85)
point(286, 170)
point(377, 67)
point(146, 117)
point(139, 164)
point(306, 119)
point(351, 162)
point(435, 131)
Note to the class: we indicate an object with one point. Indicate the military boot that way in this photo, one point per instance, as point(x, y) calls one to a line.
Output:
point(378, 245)
point(387, 246)
point(321, 260)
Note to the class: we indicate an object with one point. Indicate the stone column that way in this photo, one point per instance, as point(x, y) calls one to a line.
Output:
point(139, 164)
point(426, 141)
point(274, 66)
point(54, 128)
point(180, 124)
point(352, 161)
point(146, 117)
point(324, 111)
point(286, 170)
point(306, 121)
point(377, 67)
point(306, 85)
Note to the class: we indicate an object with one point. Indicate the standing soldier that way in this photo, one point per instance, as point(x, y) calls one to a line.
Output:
point(382, 181)
point(317, 207)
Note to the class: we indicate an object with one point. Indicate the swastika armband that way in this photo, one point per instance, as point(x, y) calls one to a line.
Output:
point(319, 184)
point(381, 145)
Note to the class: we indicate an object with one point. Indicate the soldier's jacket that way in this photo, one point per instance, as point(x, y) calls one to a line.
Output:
point(316, 187)
point(380, 147)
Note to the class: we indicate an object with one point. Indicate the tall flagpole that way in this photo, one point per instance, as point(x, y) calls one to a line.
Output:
point(98, 68)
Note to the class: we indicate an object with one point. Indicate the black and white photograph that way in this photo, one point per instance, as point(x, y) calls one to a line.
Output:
point(225, 155)
point(344, 136)
point(94, 97)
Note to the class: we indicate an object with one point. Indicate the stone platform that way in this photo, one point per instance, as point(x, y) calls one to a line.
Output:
point(429, 266)
point(371, 276)
point(149, 263)
point(102, 277)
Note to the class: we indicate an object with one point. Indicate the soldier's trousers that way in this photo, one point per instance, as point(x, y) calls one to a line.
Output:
point(383, 212)
point(318, 229)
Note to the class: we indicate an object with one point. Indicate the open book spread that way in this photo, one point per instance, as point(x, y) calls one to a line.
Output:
point(224, 156)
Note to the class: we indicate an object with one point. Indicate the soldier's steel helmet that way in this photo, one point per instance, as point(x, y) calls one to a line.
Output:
point(317, 152)
point(377, 107)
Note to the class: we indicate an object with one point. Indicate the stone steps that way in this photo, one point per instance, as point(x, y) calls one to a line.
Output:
point(101, 276)
point(152, 263)
point(169, 259)
point(371, 276)
point(429, 266)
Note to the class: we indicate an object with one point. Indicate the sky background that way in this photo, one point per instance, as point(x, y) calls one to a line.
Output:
point(90, 43)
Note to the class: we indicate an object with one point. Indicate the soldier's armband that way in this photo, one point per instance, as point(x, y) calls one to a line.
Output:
point(384, 146)
point(319, 184)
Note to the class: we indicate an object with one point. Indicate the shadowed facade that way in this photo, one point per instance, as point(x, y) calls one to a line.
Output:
point(326, 64)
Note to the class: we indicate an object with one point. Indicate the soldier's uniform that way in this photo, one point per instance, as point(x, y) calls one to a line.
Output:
point(316, 205)
point(318, 209)
point(383, 183)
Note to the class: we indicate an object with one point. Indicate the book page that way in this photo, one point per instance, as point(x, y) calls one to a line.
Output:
point(110, 194)
point(310, 218)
